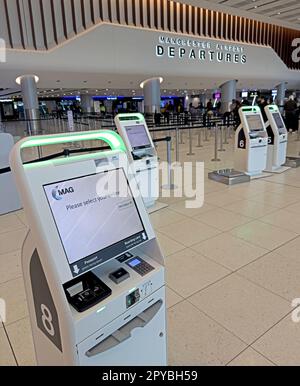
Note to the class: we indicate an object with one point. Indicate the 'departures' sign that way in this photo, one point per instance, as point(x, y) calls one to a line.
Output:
point(204, 51)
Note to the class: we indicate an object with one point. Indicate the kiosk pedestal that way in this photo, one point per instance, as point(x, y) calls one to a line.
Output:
point(277, 140)
point(92, 266)
point(251, 141)
point(141, 154)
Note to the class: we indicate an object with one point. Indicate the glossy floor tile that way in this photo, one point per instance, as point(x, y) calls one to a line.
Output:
point(250, 357)
point(283, 219)
point(277, 273)
point(281, 343)
point(244, 308)
point(20, 337)
point(195, 339)
point(189, 231)
point(10, 266)
point(10, 222)
point(222, 219)
point(12, 241)
point(13, 293)
point(263, 235)
point(6, 353)
point(189, 272)
point(229, 251)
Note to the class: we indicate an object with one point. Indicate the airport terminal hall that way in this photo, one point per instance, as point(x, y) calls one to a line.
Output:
point(149, 186)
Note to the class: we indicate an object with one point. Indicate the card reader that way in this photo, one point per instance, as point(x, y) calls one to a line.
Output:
point(119, 276)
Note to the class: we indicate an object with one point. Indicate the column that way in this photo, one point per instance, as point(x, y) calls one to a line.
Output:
point(87, 103)
point(187, 102)
point(151, 89)
point(228, 91)
point(28, 85)
point(203, 99)
point(281, 88)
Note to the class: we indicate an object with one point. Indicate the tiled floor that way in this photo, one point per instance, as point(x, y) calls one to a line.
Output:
point(232, 272)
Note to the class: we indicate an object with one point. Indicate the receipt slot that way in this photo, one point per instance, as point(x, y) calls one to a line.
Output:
point(9, 197)
point(277, 139)
point(251, 142)
point(93, 269)
point(141, 153)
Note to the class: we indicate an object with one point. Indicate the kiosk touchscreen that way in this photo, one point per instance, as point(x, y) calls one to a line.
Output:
point(9, 197)
point(251, 142)
point(93, 269)
point(278, 138)
point(142, 154)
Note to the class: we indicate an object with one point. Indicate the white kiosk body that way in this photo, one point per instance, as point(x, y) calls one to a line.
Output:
point(251, 142)
point(141, 153)
point(278, 137)
point(93, 269)
point(9, 197)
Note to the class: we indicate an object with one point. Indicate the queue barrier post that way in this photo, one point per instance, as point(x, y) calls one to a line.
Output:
point(226, 136)
point(181, 138)
point(221, 138)
point(177, 141)
point(170, 185)
point(199, 144)
point(216, 159)
point(190, 143)
point(206, 134)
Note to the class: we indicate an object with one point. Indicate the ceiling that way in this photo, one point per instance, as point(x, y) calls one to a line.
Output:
point(282, 11)
point(108, 59)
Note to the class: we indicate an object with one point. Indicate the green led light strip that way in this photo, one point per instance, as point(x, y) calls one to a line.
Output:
point(253, 108)
point(111, 138)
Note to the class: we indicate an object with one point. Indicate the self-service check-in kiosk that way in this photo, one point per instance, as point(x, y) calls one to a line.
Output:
point(277, 139)
point(142, 154)
point(251, 142)
point(93, 269)
point(9, 197)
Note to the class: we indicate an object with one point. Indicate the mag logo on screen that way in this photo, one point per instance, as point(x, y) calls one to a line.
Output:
point(58, 194)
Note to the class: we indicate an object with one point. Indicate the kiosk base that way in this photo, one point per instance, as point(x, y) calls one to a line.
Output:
point(229, 176)
point(292, 162)
point(260, 175)
point(279, 170)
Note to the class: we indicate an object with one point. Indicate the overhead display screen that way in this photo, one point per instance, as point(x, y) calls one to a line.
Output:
point(255, 122)
point(279, 121)
point(96, 217)
point(138, 137)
